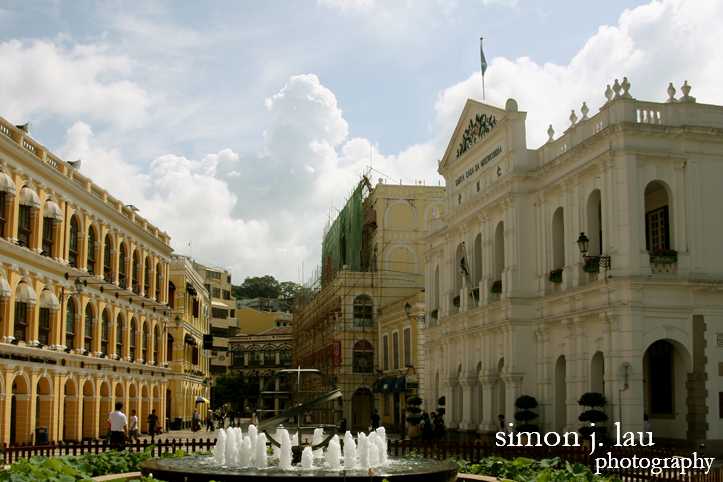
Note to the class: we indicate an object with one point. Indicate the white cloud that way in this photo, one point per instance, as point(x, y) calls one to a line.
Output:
point(50, 79)
point(669, 41)
point(345, 5)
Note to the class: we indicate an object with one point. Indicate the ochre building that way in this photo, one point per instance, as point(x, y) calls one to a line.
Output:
point(83, 299)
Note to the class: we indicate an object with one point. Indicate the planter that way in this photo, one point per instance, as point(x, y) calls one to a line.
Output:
point(664, 256)
point(496, 287)
point(435, 314)
point(414, 432)
point(556, 275)
point(455, 301)
point(591, 266)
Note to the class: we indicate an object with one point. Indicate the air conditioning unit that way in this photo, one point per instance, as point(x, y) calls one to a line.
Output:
point(222, 358)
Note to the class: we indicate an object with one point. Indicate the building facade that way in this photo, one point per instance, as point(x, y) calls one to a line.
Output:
point(190, 306)
point(372, 256)
point(258, 358)
point(528, 315)
point(83, 299)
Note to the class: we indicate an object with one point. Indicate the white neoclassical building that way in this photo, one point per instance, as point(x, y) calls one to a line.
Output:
point(644, 182)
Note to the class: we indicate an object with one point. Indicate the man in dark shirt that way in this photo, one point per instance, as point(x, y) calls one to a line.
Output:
point(152, 421)
point(374, 422)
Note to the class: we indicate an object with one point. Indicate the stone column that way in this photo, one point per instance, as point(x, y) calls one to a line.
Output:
point(488, 417)
point(468, 383)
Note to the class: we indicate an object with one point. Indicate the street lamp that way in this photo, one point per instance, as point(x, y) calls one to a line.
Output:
point(408, 309)
point(178, 321)
point(584, 243)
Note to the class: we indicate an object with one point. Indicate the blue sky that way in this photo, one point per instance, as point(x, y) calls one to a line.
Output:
point(237, 124)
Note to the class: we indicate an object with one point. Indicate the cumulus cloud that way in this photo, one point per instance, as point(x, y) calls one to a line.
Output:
point(49, 78)
point(640, 47)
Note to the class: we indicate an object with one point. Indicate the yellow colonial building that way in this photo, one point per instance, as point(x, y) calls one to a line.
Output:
point(83, 299)
point(190, 303)
point(372, 255)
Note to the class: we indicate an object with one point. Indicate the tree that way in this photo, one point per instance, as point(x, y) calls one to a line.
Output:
point(289, 289)
point(230, 388)
point(257, 287)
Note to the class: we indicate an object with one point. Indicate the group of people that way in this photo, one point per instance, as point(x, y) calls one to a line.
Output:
point(121, 428)
point(432, 427)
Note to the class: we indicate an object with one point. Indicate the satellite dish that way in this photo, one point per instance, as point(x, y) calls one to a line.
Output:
point(25, 127)
point(75, 164)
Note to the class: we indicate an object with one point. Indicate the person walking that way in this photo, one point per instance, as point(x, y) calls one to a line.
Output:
point(118, 426)
point(152, 422)
point(195, 421)
point(374, 421)
point(209, 420)
point(439, 428)
point(133, 427)
point(231, 417)
point(427, 429)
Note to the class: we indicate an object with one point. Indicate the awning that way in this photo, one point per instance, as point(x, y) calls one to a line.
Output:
point(25, 294)
point(399, 385)
point(202, 400)
point(387, 384)
point(28, 197)
point(5, 288)
point(52, 210)
point(6, 184)
point(189, 339)
point(377, 388)
point(49, 300)
point(218, 304)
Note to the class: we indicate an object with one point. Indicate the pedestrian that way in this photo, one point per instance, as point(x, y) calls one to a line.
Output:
point(648, 429)
point(231, 418)
point(209, 420)
point(248, 412)
point(195, 421)
point(307, 418)
point(439, 428)
point(374, 422)
point(133, 427)
point(118, 426)
point(427, 429)
point(501, 424)
point(253, 418)
point(152, 422)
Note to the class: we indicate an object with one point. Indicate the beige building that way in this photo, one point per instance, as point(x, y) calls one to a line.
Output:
point(223, 312)
point(190, 306)
point(371, 257)
point(83, 299)
point(253, 322)
point(258, 357)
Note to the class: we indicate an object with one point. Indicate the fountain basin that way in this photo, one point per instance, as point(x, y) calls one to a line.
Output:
point(201, 468)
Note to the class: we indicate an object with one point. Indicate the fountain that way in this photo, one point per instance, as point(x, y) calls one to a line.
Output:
point(238, 458)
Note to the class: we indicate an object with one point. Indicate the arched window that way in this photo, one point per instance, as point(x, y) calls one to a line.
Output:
point(657, 218)
point(132, 344)
point(158, 282)
point(3, 217)
point(70, 324)
point(122, 266)
point(477, 262)
point(21, 320)
point(104, 332)
point(269, 356)
point(594, 224)
point(363, 357)
point(91, 250)
point(119, 335)
point(238, 357)
point(44, 325)
point(51, 213)
point(156, 337)
point(73, 243)
point(144, 341)
point(385, 351)
point(558, 239)
point(171, 294)
point(395, 350)
point(88, 327)
point(146, 272)
point(134, 272)
point(285, 356)
point(107, 269)
point(27, 202)
point(254, 356)
point(363, 309)
point(499, 251)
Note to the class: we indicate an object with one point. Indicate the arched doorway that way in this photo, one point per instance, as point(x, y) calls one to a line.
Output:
point(43, 406)
point(362, 404)
point(499, 396)
point(89, 417)
point(20, 411)
point(105, 409)
point(145, 409)
point(560, 394)
point(70, 411)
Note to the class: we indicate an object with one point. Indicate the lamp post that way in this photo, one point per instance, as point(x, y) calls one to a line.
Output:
point(584, 243)
point(78, 285)
point(408, 309)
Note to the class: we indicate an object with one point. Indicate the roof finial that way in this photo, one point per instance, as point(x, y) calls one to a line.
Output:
point(551, 133)
point(608, 94)
point(573, 117)
point(671, 94)
point(616, 89)
point(584, 109)
point(685, 88)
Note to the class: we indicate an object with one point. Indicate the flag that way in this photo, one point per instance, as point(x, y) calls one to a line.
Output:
point(482, 57)
point(463, 266)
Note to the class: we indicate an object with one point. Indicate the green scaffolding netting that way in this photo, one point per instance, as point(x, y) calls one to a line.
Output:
point(343, 242)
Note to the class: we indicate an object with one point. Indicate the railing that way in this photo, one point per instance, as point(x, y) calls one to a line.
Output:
point(56, 449)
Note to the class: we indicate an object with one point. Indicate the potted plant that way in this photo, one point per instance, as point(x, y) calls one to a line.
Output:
point(525, 415)
point(440, 403)
point(474, 294)
point(496, 287)
point(435, 314)
point(556, 275)
point(592, 265)
point(414, 416)
point(664, 256)
point(455, 301)
point(592, 400)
